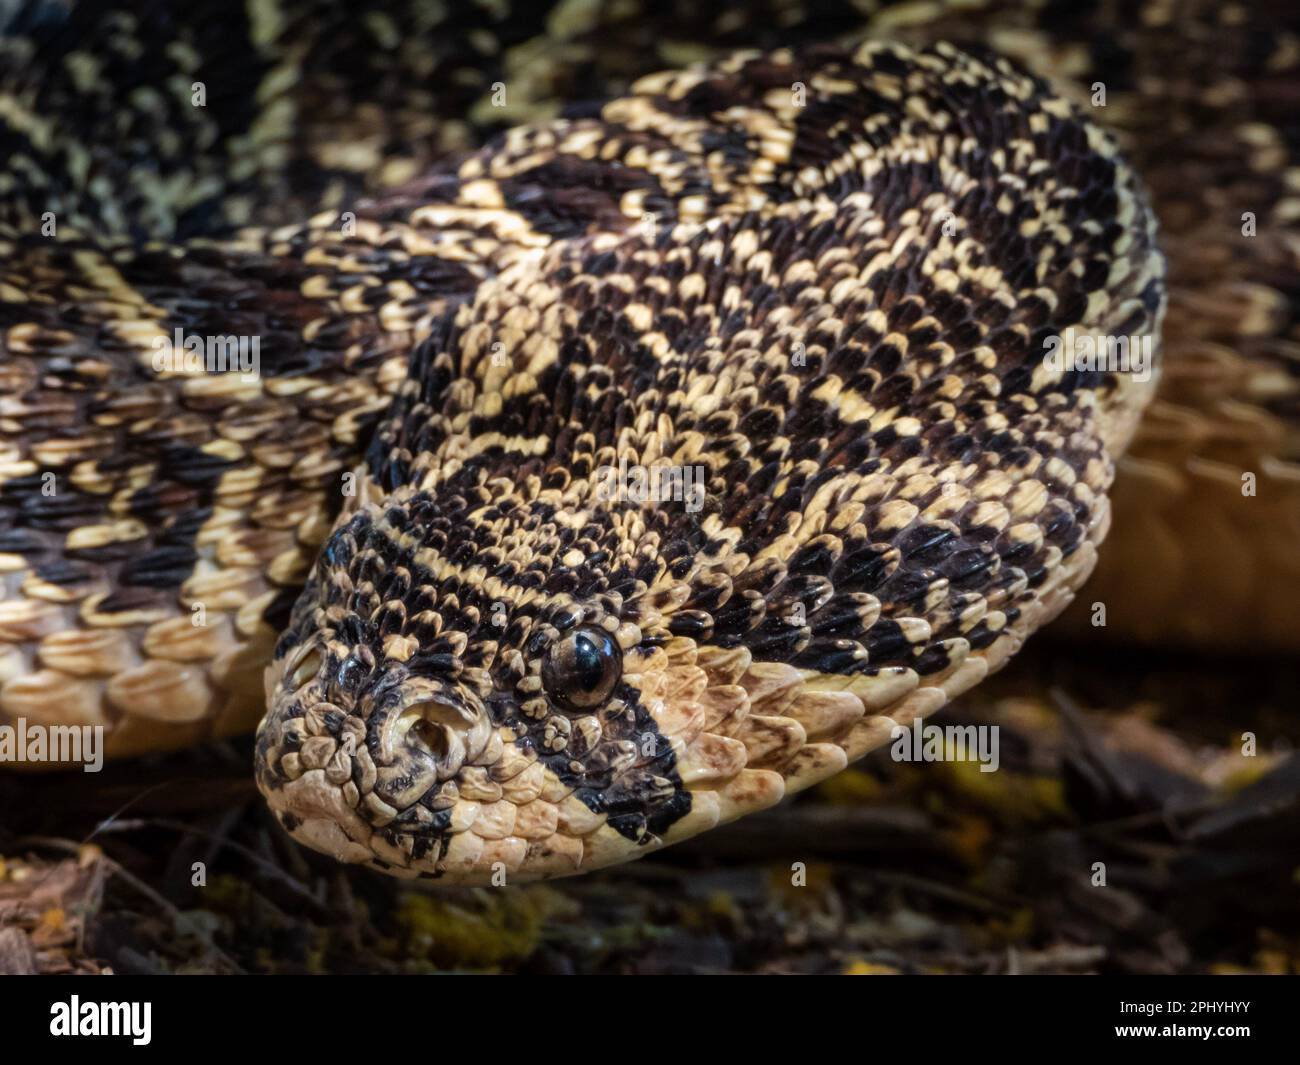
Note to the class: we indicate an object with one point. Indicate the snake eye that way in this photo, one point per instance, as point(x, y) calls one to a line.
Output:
point(581, 669)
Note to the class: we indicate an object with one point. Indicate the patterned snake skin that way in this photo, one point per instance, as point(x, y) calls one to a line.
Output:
point(814, 281)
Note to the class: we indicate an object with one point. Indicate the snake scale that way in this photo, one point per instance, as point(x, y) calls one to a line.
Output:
point(490, 255)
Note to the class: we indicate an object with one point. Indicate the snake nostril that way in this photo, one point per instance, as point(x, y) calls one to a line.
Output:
point(437, 729)
point(431, 737)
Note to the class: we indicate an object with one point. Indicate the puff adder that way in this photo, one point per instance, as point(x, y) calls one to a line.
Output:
point(817, 280)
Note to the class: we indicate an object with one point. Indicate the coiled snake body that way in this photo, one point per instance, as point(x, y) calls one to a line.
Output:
point(818, 282)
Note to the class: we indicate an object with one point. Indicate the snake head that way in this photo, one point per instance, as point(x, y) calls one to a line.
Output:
point(508, 664)
point(436, 711)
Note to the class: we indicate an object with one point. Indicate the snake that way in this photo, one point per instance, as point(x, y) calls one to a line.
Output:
point(650, 413)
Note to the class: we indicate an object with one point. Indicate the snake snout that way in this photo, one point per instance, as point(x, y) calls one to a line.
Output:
point(371, 774)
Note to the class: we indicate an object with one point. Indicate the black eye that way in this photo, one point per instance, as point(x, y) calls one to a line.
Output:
point(581, 669)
